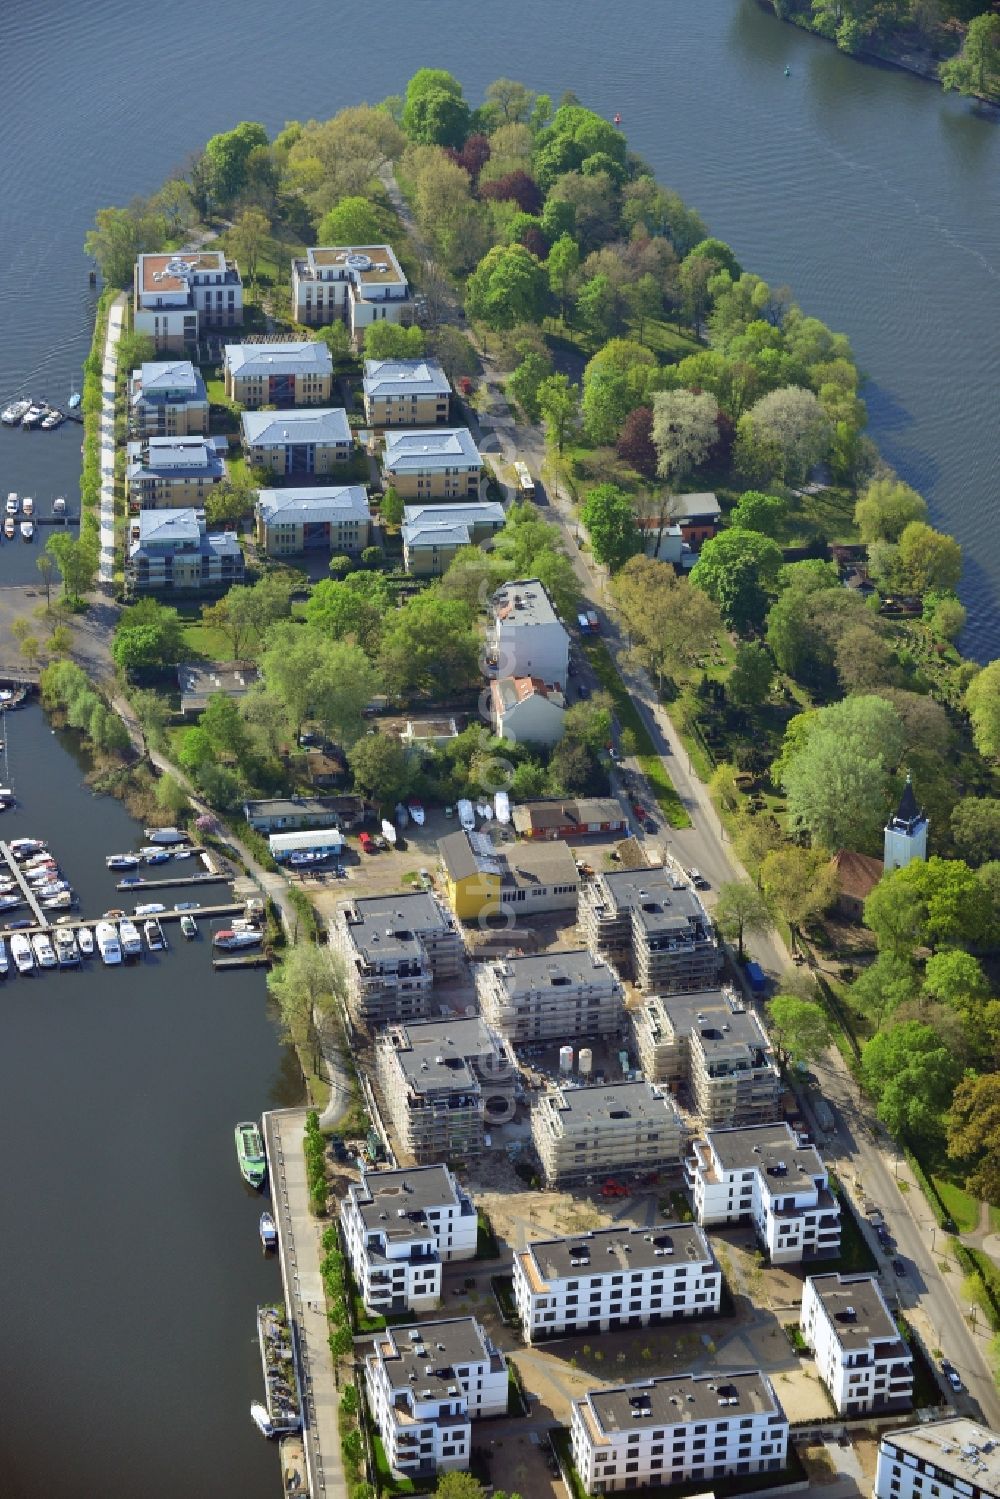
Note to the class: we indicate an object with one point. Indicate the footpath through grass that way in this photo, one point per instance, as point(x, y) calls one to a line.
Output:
point(629, 717)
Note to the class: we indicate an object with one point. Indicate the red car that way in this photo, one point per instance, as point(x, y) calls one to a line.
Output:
point(367, 842)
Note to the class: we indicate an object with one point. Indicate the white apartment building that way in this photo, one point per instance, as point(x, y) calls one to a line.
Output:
point(680, 1428)
point(860, 1353)
point(445, 1082)
point(622, 1127)
point(615, 1277)
point(525, 637)
point(177, 298)
point(400, 1227)
point(713, 1047)
point(550, 996)
point(426, 1385)
point(953, 1459)
point(395, 946)
point(351, 284)
point(762, 1174)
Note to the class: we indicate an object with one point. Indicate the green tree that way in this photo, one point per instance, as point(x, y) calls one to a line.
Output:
point(121, 234)
point(391, 341)
point(435, 114)
point(524, 382)
point(148, 636)
point(77, 560)
point(933, 903)
point(912, 1074)
point(886, 508)
point(741, 909)
point(759, 512)
point(171, 798)
point(223, 726)
point(227, 156)
point(945, 614)
point(799, 1028)
point(800, 883)
point(309, 985)
point(670, 623)
point(784, 434)
point(514, 102)
point(739, 570)
point(928, 559)
point(247, 238)
point(753, 672)
point(429, 646)
point(562, 265)
point(351, 221)
point(685, 429)
point(391, 508)
point(597, 307)
point(976, 69)
point(974, 1133)
point(559, 404)
point(508, 286)
point(885, 985)
point(954, 978)
point(975, 829)
point(380, 768)
point(230, 502)
point(835, 767)
point(45, 563)
point(644, 300)
point(609, 518)
point(982, 703)
point(338, 341)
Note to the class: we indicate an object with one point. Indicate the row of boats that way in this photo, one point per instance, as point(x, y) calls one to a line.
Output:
point(486, 811)
point(67, 946)
point(27, 414)
point(39, 871)
point(25, 506)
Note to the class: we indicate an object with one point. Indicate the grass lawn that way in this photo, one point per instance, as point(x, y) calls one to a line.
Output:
point(855, 1257)
point(829, 513)
point(668, 341)
point(216, 390)
point(386, 1480)
point(487, 1247)
point(958, 1204)
point(994, 1219)
point(629, 718)
point(207, 643)
point(503, 1290)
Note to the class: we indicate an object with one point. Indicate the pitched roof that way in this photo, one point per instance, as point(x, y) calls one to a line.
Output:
point(435, 447)
point(172, 375)
point(311, 506)
point(857, 874)
point(508, 692)
point(405, 377)
point(908, 812)
point(435, 534)
point(276, 428)
point(283, 358)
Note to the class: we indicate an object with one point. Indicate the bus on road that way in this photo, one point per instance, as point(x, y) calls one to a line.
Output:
point(525, 483)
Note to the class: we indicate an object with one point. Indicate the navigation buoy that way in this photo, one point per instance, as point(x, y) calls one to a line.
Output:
point(617, 120)
point(788, 72)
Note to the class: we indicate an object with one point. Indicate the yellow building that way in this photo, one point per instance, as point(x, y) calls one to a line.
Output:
point(405, 393)
point(517, 879)
point(442, 463)
point(279, 374)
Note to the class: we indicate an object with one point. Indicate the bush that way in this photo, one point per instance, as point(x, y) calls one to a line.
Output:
point(314, 1146)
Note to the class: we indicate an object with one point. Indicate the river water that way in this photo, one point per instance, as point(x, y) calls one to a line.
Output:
point(130, 1272)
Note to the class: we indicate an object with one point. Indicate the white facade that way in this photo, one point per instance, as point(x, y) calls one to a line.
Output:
point(527, 711)
point(953, 1459)
point(400, 1227)
point(762, 1174)
point(681, 1428)
point(615, 1277)
point(905, 833)
point(353, 284)
point(426, 1384)
point(177, 297)
point(526, 637)
point(860, 1354)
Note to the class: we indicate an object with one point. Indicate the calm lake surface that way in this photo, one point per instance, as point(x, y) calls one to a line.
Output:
point(130, 1271)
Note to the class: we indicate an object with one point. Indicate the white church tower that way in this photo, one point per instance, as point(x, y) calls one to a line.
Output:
point(905, 833)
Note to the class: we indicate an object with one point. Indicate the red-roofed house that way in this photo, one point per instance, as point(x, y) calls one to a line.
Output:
point(857, 876)
point(527, 710)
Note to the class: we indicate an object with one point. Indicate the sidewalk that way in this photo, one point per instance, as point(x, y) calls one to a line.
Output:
point(300, 1251)
point(109, 371)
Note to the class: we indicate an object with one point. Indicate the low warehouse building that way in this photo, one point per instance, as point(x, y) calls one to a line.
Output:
point(307, 846)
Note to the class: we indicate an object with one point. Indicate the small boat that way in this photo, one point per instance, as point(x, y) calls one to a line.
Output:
point(155, 939)
point(13, 503)
point(9, 528)
point(21, 952)
point(788, 72)
point(230, 939)
point(189, 926)
point(261, 1419)
point(155, 855)
point(250, 1154)
point(108, 945)
point(501, 806)
point(74, 400)
point(45, 953)
point(388, 832)
point(10, 902)
point(484, 811)
point(113, 915)
point(28, 505)
point(166, 835)
point(268, 1231)
point(131, 941)
point(58, 505)
point(4, 960)
point(53, 419)
point(416, 812)
point(466, 815)
point(122, 861)
point(33, 417)
point(182, 853)
point(59, 902)
point(85, 938)
point(14, 413)
point(23, 848)
point(27, 530)
point(67, 951)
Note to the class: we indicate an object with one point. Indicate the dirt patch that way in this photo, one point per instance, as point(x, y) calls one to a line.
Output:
point(518, 1215)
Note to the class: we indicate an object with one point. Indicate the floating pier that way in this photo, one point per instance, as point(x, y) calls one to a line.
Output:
point(41, 920)
point(184, 879)
point(243, 960)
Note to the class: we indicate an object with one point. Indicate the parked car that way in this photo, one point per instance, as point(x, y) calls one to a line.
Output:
point(650, 826)
point(583, 692)
point(367, 842)
point(426, 882)
point(951, 1374)
point(899, 1267)
point(697, 879)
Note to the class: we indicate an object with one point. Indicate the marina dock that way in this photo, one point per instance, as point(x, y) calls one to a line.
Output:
point(201, 913)
point(244, 960)
point(41, 920)
point(184, 879)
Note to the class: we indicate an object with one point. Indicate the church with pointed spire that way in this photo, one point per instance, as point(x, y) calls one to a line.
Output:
point(905, 832)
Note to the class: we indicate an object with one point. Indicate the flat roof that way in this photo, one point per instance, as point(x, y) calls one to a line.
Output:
point(305, 838)
point(529, 864)
point(308, 424)
point(405, 377)
point(957, 1445)
point(658, 901)
point(554, 970)
point(580, 1108)
point(856, 1310)
point(381, 1196)
point(524, 602)
point(676, 1399)
point(288, 357)
point(417, 908)
point(198, 680)
point(154, 274)
point(606, 1250)
point(437, 1055)
point(430, 1351)
point(717, 1016)
point(568, 812)
point(288, 806)
point(767, 1148)
point(337, 256)
point(431, 447)
point(313, 505)
point(696, 506)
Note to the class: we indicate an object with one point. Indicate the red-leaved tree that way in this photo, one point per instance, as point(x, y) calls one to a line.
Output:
point(635, 444)
point(517, 187)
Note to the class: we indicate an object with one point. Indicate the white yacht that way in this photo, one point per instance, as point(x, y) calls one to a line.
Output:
point(59, 505)
point(4, 960)
point(9, 528)
point(14, 413)
point(59, 902)
point(44, 952)
point(108, 945)
point(52, 419)
point(34, 416)
point(67, 951)
point(467, 816)
point(131, 940)
point(21, 952)
point(85, 938)
point(155, 939)
point(28, 505)
point(13, 503)
point(27, 530)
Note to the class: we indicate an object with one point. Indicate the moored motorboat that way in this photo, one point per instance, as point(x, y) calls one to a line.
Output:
point(9, 528)
point(45, 953)
point(155, 939)
point(85, 939)
point(261, 1419)
point(268, 1231)
point(250, 1153)
point(74, 400)
point(4, 960)
point(9, 901)
point(189, 926)
point(130, 939)
point(33, 417)
point(14, 413)
point(22, 953)
point(155, 855)
point(122, 861)
point(108, 943)
point(59, 505)
point(416, 811)
point(27, 530)
point(166, 835)
point(52, 419)
point(23, 848)
point(67, 951)
point(60, 902)
point(230, 939)
point(28, 505)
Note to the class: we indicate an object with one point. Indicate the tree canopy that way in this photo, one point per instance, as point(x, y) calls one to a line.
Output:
point(912, 1074)
point(739, 570)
